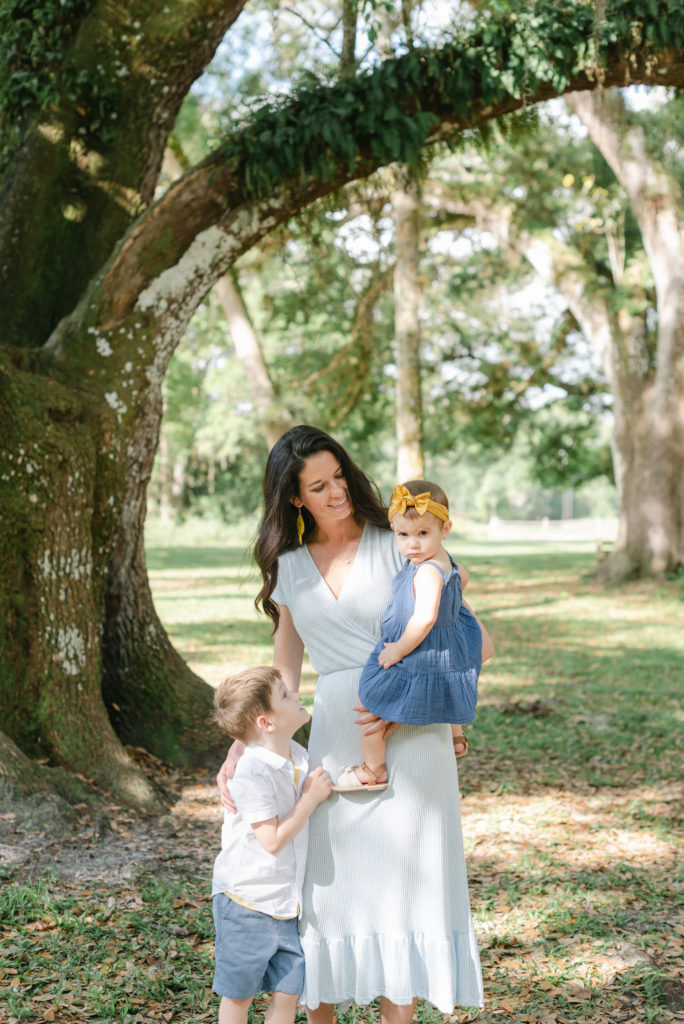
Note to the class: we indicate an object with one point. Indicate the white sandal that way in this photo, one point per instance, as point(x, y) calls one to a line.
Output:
point(348, 780)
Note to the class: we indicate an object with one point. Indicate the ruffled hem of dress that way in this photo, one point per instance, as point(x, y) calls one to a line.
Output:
point(401, 968)
point(420, 698)
point(398, 675)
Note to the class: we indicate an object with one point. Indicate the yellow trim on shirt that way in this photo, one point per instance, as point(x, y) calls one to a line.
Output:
point(244, 903)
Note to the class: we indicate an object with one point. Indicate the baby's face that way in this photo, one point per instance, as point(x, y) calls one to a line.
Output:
point(419, 538)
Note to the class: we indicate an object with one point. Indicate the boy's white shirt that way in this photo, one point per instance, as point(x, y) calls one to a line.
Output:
point(263, 787)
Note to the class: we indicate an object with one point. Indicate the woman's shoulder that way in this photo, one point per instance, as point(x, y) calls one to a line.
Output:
point(379, 536)
point(378, 533)
point(290, 557)
point(383, 543)
point(289, 568)
point(292, 560)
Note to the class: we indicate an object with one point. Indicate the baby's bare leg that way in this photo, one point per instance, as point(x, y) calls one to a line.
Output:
point(282, 1009)
point(373, 748)
point(373, 735)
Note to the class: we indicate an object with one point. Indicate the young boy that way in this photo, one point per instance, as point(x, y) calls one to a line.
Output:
point(258, 874)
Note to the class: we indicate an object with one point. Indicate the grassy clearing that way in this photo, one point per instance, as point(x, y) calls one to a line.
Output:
point(571, 810)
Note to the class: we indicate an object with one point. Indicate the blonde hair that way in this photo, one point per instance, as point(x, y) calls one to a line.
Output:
point(240, 699)
point(416, 487)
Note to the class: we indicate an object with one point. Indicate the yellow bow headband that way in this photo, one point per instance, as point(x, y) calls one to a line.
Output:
point(403, 499)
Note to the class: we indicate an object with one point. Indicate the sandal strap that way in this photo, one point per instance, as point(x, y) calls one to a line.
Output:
point(382, 767)
point(351, 769)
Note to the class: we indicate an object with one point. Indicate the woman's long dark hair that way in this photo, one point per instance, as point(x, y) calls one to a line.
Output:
point(278, 527)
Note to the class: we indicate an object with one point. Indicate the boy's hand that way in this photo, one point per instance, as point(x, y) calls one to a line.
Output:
point(389, 655)
point(317, 786)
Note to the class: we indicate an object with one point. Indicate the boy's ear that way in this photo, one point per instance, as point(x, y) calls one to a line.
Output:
point(263, 724)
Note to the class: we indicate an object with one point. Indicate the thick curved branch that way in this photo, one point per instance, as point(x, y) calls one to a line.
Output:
point(242, 192)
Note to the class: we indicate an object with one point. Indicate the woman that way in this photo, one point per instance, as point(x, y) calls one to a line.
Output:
point(385, 907)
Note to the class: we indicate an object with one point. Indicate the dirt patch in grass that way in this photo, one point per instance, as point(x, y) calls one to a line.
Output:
point(571, 799)
point(574, 895)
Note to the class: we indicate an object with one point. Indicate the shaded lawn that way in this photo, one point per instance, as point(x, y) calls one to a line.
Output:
point(571, 811)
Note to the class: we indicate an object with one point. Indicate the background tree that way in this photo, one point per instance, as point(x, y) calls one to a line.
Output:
point(578, 228)
point(646, 374)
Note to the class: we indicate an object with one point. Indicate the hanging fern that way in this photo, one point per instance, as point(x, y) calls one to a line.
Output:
point(381, 113)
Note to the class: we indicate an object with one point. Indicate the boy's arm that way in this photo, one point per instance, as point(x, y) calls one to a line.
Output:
point(428, 585)
point(288, 649)
point(274, 834)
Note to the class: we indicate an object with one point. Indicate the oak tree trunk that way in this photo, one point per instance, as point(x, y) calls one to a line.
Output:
point(54, 570)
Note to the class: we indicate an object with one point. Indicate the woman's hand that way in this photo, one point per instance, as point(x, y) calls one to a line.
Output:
point(226, 773)
point(371, 723)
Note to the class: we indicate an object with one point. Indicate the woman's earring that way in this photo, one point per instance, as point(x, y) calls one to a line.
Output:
point(300, 526)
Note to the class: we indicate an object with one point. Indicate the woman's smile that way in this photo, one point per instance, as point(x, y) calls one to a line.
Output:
point(323, 488)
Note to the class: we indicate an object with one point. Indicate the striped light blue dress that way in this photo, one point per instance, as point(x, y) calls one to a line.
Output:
point(385, 908)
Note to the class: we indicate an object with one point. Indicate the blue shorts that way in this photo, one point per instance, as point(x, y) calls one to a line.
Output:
point(255, 952)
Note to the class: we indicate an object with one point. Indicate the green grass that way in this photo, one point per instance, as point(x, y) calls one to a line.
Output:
point(111, 955)
point(571, 807)
point(604, 665)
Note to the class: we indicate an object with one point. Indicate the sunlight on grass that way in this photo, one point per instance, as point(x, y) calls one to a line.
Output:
point(571, 807)
point(570, 796)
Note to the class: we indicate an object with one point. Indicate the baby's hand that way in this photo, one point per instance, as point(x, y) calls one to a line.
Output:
point(318, 786)
point(389, 655)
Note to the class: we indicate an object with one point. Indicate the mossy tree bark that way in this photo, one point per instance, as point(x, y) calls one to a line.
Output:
point(88, 164)
point(84, 168)
point(54, 554)
point(81, 395)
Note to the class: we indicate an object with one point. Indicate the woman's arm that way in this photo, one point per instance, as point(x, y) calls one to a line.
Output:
point(288, 650)
point(428, 585)
point(487, 645)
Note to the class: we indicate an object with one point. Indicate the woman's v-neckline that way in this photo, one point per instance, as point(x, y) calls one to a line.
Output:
point(351, 567)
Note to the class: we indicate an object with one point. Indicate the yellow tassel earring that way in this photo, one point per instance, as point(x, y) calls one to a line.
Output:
point(300, 526)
